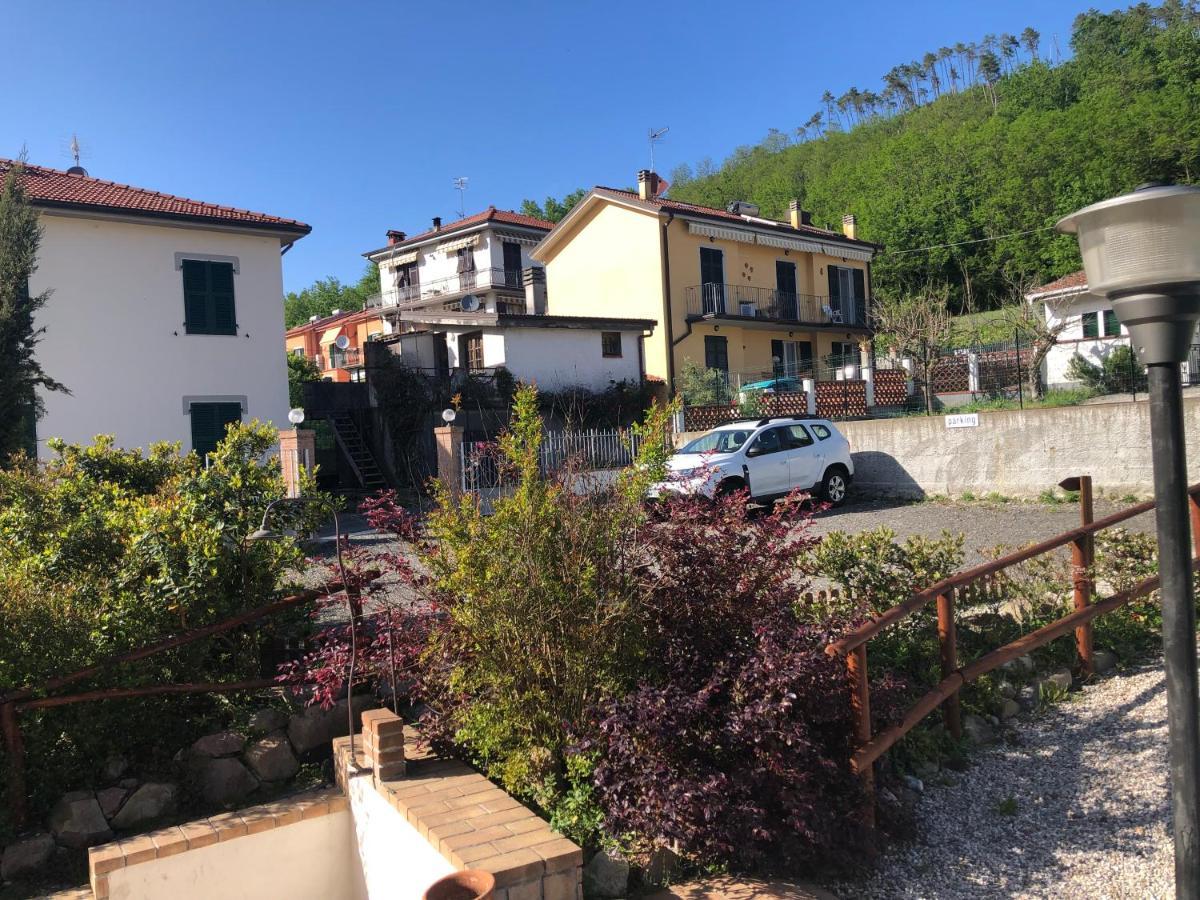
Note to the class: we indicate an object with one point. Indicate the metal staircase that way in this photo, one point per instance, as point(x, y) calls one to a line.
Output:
point(359, 455)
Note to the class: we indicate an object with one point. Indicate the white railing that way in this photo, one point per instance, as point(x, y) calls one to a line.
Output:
point(482, 467)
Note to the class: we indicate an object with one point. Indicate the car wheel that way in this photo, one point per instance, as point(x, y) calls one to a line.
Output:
point(834, 487)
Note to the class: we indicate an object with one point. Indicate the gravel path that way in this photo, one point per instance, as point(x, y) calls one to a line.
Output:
point(984, 525)
point(1091, 816)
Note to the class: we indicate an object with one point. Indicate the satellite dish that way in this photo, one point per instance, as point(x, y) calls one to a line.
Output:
point(342, 342)
point(470, 303)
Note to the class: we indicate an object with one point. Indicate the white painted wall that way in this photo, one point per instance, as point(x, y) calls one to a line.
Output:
point(553, 357)
point(1071, 340)
point(115, 337)
point(310, 860)
point(395, 862)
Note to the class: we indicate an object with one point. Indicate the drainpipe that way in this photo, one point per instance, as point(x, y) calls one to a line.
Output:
point(667, 319)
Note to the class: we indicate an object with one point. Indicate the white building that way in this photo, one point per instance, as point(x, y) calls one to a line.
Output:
point(165, 319)
point(468, 297)
point(1090, 327)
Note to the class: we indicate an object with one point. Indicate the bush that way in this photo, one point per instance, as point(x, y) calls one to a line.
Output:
point(1119, 372)
point(104, 550)
point(699, 386)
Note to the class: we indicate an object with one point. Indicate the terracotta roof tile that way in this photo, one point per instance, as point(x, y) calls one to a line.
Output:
point(1074, 280)
point(52, 187)
point(712, 212)
point(491, 214)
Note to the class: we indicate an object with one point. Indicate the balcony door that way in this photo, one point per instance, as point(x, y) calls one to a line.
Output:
point(785, 291)
point(795, 358)
point(712, 281)
point(847, 294)
point(512, 264)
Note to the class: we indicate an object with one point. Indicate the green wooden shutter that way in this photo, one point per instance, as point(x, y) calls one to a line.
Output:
point(209, 421)
point(195, 296)
point(1091, 327)
point(1112, 327)
point(860, 296)
point(220, 280)
point(776, 354)
point(835, 290)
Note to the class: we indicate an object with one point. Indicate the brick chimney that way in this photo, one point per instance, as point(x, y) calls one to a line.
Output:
point(437, 223)
point(647, 184)
point(850, 226)
point(395, 237)
point(534, 279)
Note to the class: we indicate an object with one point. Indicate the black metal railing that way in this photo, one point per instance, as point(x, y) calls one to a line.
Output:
point(743, 301)
point(451, 286)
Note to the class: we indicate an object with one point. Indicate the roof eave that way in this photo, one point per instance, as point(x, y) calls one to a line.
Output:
point(286, 232)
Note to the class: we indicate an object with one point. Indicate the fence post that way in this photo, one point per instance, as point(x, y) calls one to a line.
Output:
point(948, 638)
point(14, 749)
point(1194, 505)
point(448, 439)
point(860, 702)
point(1083, 554)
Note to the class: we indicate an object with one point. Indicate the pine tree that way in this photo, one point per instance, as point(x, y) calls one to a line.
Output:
point(20, 373)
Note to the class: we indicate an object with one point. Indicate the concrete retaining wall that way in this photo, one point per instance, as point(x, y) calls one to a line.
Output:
point(1018, 453)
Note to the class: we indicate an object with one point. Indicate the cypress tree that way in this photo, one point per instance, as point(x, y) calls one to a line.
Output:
point(21, 375)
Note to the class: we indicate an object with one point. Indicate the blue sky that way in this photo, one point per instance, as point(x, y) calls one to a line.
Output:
point(355, 117)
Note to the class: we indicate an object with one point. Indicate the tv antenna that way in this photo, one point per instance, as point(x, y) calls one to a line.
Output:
point(460, 185)
point(655, 135)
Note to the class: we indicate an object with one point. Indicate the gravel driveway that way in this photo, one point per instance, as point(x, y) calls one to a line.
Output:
point(984, 525)
point(1072, 803)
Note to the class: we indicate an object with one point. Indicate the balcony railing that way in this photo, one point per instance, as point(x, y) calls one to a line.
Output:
point(453, 286)
point(743, 301)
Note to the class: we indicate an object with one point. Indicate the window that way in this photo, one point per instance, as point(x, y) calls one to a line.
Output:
point(1112, 327)
point(297, 351)
point(1091, 325)
point(799, 436)
point(712, 281)
point(847, 294)
point(772, 440)
point(610, 343)
point(466, 268)
point(820, 431)
point(512, 264)
point(470, 350)
point(721, 441)
point(795, 357)
point(208, 297)
point(716, 352)
point(209, 421)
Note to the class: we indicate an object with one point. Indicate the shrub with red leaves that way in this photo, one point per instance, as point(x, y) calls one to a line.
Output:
point(738, 746)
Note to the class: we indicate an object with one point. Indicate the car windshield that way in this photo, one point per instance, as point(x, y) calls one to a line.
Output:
point(723, 441)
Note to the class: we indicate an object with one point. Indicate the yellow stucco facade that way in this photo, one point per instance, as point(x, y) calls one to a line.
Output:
point(618, 259)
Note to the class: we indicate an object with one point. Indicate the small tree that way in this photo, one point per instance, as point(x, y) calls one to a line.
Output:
point(1037, 324)
point(20, 373)
point(301, 370)
point(918, 326)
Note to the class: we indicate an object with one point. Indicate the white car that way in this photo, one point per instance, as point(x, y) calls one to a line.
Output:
point(771, 456)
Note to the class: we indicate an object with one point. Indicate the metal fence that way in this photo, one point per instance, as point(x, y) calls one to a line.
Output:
point(483, 467)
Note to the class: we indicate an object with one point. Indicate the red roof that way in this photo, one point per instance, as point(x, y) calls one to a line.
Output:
point(491, 214)
point(1077, 280)
point(714, 213)
point(55, 188)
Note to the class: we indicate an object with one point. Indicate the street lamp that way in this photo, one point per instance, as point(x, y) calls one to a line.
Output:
point(1141, 251)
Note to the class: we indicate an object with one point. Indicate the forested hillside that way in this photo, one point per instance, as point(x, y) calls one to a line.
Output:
point(983, 147)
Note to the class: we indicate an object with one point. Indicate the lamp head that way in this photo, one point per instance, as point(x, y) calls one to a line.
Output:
point(264, 534)
point(1141, 251)
point(296, 416)
point(449, 415)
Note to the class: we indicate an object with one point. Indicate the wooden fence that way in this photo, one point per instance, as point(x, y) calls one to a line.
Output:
point(40, 697)
point(974, 583)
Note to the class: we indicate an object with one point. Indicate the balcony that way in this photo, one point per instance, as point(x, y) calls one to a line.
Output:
point(746, 302)
point(452, 287)
point(350, 358)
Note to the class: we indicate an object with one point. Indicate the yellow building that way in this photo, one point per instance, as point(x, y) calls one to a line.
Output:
point(756, 298)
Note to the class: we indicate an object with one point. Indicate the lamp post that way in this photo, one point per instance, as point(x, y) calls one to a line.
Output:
point(1142, 252)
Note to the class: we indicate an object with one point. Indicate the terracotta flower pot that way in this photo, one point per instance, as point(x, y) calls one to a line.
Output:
point(469, 884)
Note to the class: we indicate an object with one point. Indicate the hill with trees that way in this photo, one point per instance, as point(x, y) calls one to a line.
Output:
point(962, 161)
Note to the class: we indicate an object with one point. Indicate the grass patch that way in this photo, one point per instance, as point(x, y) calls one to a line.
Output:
point(1008, 806)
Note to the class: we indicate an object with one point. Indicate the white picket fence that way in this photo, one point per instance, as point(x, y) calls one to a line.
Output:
point(589, 450)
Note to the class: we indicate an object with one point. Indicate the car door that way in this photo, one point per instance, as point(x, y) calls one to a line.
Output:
point(805, 458)
point(767, 462)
